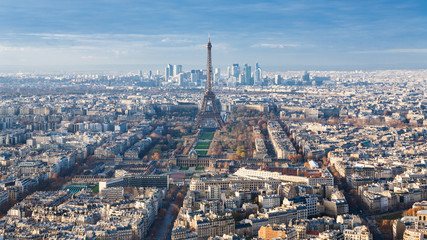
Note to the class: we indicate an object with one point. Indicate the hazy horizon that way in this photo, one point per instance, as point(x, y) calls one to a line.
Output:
point(127, 68)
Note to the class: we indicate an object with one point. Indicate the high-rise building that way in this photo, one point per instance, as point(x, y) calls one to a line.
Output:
point(306, 77)
point(181, 79)
point(242, 78)
point(257, 75)
point(235, 70)
point(196, 77)
point(177, 69)
point(277, 79)
point(168, 71)
point(217, 76)
point(247, 72)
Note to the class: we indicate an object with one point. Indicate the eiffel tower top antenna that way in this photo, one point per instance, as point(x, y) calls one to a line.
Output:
point(209, 67)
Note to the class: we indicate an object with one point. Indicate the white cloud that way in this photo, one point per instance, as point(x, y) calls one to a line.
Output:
point(87, 57)
point(175, 40)
point(275, 45)
point(396, 50)
point(11, 49)
point(120, 52)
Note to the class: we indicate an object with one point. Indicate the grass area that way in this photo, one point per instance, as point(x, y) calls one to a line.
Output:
point(200, 168)
point(202, 145)
point(206, 136)
point(183, 168)
point(202, 153)
point(95, 189)
point(393, 216)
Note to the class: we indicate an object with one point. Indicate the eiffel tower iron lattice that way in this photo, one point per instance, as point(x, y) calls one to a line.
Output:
point(209, 97)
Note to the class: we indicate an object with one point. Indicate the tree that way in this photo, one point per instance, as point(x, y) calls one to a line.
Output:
point(179, 148)
point(156, 156)
point(264, 126)
point(179, 198)
point(175, 210)
point(234, 157)
point(325, 161)
point(386, 228)
point(218, 150)
point(238, 215)
point(295, 158)
point(241, 151)
point(226, 165)
point(412, 211)
point(241, 137)
point(155, 135)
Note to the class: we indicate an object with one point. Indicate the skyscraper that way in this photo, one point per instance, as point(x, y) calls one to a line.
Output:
point(196, 76)
point(217, 76)
point(235, 70)
point(242, 78)
point(306, 77)
point(168, 71)
point(177, 69)
point(257, 75)
point(277, 79)
point(248, 78)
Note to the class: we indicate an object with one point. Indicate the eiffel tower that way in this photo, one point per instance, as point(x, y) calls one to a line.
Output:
point(209, 96)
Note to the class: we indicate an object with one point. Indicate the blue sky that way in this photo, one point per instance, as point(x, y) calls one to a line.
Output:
point(280, 35)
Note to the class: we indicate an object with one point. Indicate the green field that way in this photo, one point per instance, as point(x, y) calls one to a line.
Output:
point(200, 168)
point(95, 189)
point(183, 168)
point(202, 153)
point(206, 136)
point(202, 145)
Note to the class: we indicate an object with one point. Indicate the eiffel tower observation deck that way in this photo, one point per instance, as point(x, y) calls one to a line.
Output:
point(209, 97)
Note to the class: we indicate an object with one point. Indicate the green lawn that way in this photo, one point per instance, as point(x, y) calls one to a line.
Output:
point(202, 145)
point(202, 153)
point(206, 136)
point(199, 168)
point(184, 168)
point(95, 189)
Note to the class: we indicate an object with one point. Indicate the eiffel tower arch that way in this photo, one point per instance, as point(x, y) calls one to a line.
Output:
point(209, 97)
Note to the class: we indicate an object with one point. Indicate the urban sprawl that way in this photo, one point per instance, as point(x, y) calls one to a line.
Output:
point(302, 155)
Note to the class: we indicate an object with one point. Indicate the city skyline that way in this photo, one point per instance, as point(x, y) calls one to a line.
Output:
point(291, 35)
point(213, 120)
